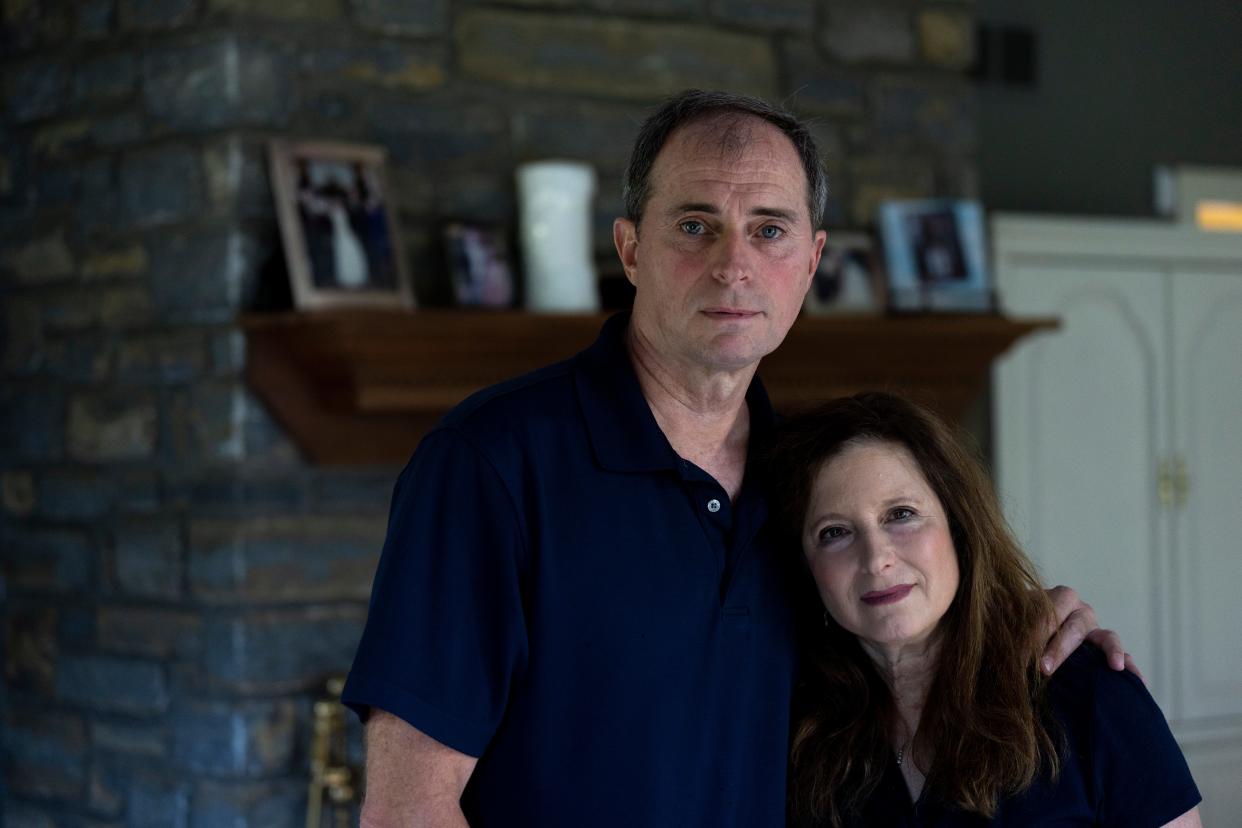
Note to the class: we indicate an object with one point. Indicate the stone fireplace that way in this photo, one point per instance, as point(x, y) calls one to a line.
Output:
point(178, 582)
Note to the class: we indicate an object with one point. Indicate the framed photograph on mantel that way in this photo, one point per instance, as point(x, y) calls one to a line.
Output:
point(477, 256)
point(936, 256)
point(848, 279)
point(338, 225)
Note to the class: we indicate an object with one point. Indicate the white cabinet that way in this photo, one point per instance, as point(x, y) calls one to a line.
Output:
point(1119, 454)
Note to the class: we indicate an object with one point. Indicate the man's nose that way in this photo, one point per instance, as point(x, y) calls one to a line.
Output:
point(732, 258)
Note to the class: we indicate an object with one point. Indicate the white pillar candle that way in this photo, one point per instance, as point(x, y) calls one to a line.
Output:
point(554, 200)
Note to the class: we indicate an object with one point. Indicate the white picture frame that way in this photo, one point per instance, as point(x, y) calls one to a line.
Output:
point(936, 256)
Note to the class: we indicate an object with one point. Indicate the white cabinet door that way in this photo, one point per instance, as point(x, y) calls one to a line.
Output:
point(1081, 413)
point(1146, 368)
point(1216, 765)
point(1207, 416)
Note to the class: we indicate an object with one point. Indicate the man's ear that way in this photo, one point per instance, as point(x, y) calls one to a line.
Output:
point(817, 250)
point(625, 238)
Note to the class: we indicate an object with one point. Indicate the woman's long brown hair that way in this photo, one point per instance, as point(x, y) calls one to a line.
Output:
point(983, 734)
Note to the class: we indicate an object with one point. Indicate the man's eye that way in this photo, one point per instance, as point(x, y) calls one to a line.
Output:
point(694, 228)
point(771, 231)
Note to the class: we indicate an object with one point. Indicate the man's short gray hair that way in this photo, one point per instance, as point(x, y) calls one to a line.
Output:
point(694, 105)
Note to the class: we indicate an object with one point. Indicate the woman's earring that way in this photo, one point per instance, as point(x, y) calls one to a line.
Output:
point(825, 617)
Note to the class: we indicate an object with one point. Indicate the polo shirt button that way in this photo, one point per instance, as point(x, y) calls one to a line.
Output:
point(713, 505)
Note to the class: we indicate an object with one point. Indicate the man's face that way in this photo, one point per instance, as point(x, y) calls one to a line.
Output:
point(725, 251)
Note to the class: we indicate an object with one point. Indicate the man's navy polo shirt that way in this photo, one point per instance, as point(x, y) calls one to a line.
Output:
point(564, 597)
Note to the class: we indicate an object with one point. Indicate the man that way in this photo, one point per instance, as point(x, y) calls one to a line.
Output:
point(579, 618)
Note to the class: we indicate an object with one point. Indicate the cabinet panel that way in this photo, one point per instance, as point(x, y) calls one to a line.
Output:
point(1083, 422)
point(1181, 294)
point(1207, 375)
point(1217, 767)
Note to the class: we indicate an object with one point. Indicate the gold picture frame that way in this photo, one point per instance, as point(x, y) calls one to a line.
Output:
point(338, 226)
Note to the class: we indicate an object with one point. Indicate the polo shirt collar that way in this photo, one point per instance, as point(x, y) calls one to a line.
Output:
point(624, 432)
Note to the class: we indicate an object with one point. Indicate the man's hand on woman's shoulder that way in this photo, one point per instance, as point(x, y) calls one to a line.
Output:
point(1074, 622)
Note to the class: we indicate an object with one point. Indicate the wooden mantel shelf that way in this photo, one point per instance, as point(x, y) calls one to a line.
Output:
point(364, 386)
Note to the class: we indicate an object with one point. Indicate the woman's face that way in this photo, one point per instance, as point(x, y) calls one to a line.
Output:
point(877, 541)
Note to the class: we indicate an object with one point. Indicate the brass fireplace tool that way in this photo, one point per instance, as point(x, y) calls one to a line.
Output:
point(332, 780)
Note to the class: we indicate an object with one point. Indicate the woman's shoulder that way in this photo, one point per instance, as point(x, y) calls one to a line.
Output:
point(1120, 742)
point(1085, 693)
point(1086, 681)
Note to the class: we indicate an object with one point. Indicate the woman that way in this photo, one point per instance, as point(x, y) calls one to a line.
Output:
point(921, 701)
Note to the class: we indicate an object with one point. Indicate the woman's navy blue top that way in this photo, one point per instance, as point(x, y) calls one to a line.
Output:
point(1120, 766)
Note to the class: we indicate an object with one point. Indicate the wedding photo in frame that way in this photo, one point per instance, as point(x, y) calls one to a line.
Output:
point(936, 256)
point(849, 279)
point(338, 226)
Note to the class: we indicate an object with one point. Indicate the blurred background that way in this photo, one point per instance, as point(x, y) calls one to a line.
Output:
point(181, 577)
